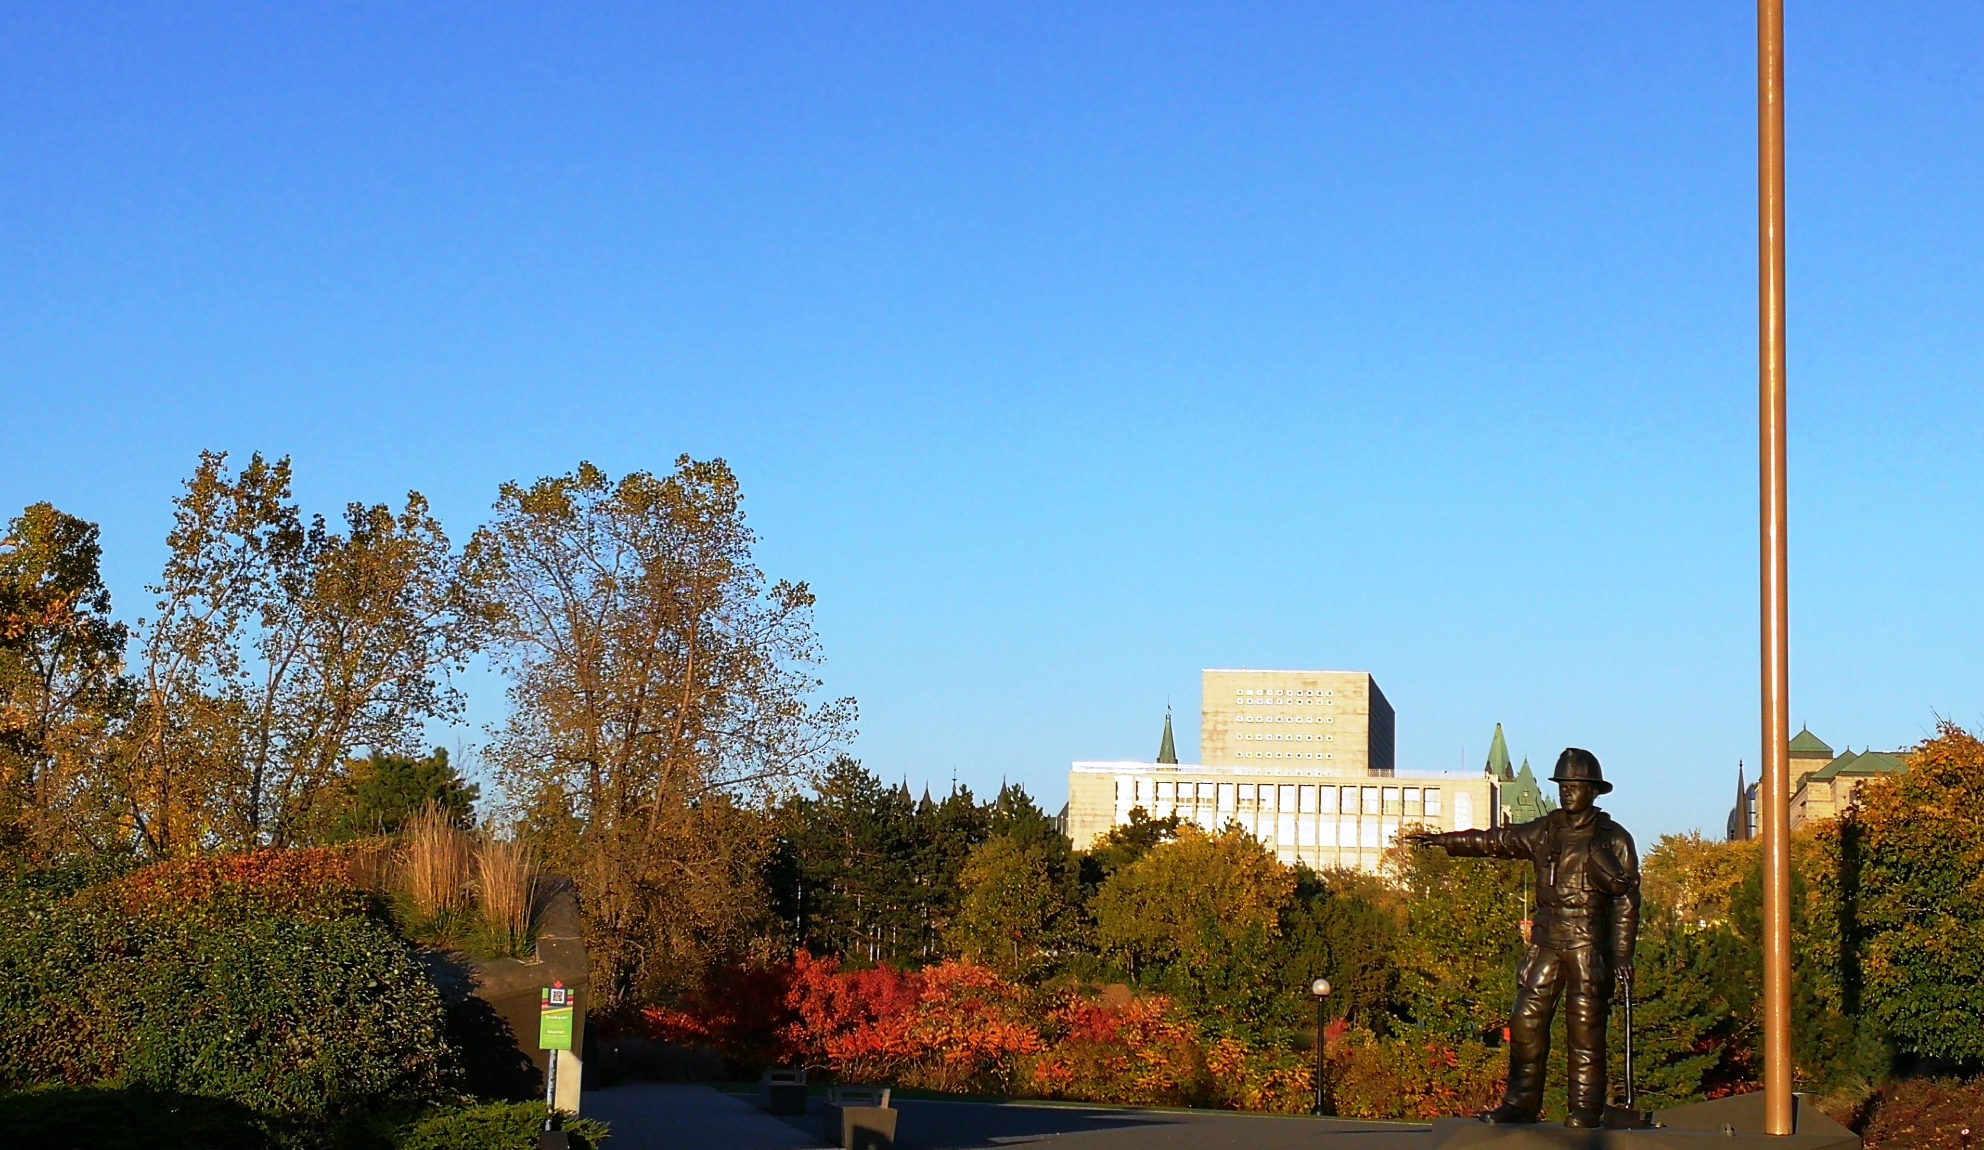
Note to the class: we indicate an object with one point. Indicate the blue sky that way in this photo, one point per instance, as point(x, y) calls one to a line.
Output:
point(1069, 349)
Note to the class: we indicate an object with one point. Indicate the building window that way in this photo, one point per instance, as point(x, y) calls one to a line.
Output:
point(1286, 798)
point(1226, 796)
point(1349, 806)
point(1308, 799)
point(1391, 801)
point(1433, 802)
point(1167, 792)
point(1371, 801)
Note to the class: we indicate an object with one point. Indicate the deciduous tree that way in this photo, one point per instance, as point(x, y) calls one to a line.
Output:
point(1020, 906)
point(1919, 841)
point(277, 647)
point(62, 688)
point(1200, 916)
point(654, 678)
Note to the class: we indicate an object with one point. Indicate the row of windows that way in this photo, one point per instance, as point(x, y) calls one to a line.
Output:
point(1326, 720)
point(1284, 755)
point(1281, 694)
point(1293, 699)
point(1284, 831)
point(1307, 798)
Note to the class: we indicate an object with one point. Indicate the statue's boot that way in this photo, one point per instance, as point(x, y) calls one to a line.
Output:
point(1507, 1115)
point(1585, 1119)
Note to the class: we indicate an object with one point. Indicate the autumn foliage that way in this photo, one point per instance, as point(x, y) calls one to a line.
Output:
point(314, 884)
point(1137, 1051)
point(960, 1027)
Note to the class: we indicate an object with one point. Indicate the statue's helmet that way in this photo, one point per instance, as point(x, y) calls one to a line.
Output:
point(1577, 765)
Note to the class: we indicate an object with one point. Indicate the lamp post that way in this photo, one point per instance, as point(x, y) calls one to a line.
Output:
point(1320, 988)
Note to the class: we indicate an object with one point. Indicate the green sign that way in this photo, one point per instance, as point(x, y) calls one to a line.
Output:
point(554, 1017)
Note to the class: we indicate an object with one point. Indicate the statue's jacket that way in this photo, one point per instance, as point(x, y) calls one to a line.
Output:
point(1587, 878)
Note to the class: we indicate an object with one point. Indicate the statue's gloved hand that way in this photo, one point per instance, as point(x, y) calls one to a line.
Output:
point(1419, 839)
point(1622, 969)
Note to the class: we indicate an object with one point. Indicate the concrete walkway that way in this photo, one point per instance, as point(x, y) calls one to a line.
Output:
point(652, 1116)
point(669, 1116)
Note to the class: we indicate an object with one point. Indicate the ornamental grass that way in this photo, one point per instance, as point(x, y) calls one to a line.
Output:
point(505, 884)
point(436, 863)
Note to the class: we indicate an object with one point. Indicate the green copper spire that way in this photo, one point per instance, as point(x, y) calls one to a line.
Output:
point(1523, 798)
point(1498, 758)
point(1167, 752)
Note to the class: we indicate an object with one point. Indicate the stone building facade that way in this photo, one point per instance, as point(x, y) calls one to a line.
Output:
point(1822, 783)
point(1302, 760)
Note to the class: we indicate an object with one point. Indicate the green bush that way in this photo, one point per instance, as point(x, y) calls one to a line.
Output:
point(283, 1015)
point(498, 1126)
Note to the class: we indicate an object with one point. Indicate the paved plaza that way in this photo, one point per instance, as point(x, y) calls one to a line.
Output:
point(658, 1116)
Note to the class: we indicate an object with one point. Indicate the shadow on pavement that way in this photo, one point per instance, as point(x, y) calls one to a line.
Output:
point(936, 1125)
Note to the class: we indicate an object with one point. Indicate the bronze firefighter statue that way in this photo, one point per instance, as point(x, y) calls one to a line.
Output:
point(1586, 922)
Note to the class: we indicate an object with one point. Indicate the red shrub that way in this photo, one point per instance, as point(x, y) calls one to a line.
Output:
point(740, 1011)
point(956, 1026)
point(1135, 1052)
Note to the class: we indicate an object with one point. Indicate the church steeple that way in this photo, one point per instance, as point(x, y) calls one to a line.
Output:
point(1167, 751)
point(1739, 816)
point(1498, 758)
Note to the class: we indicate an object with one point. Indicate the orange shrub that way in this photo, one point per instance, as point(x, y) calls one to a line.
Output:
point(1246, 1078)
point(1397, 1078)
point(1136, 1053)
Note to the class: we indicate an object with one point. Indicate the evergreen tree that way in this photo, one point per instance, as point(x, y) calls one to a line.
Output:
point(380, 793)
point(1125, 843)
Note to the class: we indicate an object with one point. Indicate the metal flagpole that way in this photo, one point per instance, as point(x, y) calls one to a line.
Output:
point(1774, 794)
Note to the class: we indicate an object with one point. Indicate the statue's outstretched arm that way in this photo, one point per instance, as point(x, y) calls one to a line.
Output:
point(1513, 842)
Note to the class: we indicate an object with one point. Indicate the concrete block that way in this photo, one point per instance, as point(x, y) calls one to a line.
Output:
point(782, 1092)
point(859, 1118)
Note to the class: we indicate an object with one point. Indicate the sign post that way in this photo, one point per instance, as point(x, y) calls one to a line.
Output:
point(555, 1012)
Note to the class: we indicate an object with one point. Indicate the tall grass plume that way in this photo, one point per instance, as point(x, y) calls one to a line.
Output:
point(505, 881)
point(434, 870)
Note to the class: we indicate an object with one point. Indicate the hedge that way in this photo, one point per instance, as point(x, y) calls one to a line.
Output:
point(295, 1014)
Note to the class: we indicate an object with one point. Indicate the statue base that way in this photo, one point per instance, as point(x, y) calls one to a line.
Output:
point(1734, 1123)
